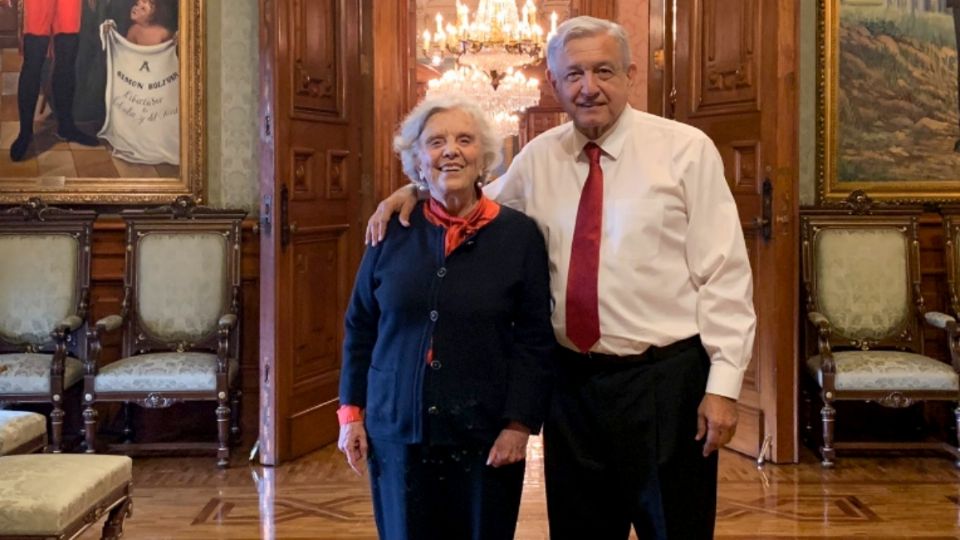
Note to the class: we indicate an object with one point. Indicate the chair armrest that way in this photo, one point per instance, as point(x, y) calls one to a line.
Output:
point(818, 319)
point(106, 324)
point(69, 323)
point(824, 330)
point(227, 321)
point(940, 320)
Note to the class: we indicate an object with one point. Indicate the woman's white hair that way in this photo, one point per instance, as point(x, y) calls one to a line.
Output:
point(584, 26)
point(407, 137)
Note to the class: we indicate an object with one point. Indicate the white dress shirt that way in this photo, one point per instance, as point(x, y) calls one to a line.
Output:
point(673, 262)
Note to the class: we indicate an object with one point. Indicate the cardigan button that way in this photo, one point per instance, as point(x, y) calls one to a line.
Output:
point(434, 315)
point(435, 365)
point(433, 410)
point(441, 272)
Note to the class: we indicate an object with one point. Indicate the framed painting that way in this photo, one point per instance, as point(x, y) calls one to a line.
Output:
point(888, 111)
point(103, 102)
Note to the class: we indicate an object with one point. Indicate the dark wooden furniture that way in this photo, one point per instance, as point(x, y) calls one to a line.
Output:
point(861, 275)
point(44, 287)
point(179, 318)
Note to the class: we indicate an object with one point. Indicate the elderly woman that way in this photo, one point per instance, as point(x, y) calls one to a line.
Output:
point(446, 368)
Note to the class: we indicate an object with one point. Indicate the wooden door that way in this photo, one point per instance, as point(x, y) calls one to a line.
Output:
point(734, 75)
point(311, 241)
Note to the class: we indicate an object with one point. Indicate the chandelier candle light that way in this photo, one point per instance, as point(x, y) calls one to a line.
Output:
point(489, 50)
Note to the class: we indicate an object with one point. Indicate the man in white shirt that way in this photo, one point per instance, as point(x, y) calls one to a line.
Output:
point(653, 299)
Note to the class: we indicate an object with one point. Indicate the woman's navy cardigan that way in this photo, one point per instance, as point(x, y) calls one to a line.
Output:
point(486, 310)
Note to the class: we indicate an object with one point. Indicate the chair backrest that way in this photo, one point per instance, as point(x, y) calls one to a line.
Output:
point(951, 254)
point(44, 271)
point(182, 275)
point(863, 273)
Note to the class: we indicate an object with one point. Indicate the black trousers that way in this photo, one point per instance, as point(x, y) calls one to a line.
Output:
point(619, 447)
point(442, 493)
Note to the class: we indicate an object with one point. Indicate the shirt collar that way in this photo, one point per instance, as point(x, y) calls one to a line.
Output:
point(611, 142)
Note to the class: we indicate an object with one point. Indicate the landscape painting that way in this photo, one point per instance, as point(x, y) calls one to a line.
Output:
point(889, 105)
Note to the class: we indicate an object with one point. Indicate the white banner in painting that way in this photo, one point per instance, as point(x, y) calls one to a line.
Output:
point(143, 99)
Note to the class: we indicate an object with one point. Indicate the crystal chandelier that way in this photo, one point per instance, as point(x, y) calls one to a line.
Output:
point(503, 103)
point(488, 50)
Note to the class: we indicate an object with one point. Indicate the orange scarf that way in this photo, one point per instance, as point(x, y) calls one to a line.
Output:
point(458, 229)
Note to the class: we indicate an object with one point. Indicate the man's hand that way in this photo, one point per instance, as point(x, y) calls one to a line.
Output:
point(402, 200)
point(510, 446)
point(353, 444)
point(6, 3)
point(717, 420)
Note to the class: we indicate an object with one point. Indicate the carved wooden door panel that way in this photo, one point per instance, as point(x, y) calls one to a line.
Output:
point(311, 91)
point(734, 73)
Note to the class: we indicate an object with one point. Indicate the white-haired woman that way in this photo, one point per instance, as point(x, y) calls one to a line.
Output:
point(446, 365)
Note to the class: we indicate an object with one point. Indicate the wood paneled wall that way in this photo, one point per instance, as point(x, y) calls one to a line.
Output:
point(106, 297)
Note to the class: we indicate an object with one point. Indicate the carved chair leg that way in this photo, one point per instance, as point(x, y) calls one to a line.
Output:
point(827, 452)
point(90, 427)
point(113, 526)
point(56, 426)
point(235, 401)
point(223, 433)
point(127, 422)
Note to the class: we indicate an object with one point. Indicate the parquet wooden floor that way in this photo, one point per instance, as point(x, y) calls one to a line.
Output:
point(317, 497)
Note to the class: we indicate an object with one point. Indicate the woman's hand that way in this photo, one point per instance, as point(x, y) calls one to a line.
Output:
point(510, 446)
point(353, 444)
point(402, 200)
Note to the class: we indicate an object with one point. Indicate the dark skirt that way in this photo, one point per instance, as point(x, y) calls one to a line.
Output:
point(442, 492)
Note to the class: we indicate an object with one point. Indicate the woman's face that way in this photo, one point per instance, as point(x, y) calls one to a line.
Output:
point(450, 153)
point(142, 11)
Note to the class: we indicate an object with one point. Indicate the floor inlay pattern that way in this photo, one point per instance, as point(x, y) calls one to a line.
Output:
point(317, 497)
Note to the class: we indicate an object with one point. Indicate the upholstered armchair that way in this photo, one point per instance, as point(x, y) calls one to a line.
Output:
point(179, 319)
point(44, 286)
point(862, 279)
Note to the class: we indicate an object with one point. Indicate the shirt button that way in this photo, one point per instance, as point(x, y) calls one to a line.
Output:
point(433, 410)
point(441, 272)
point(436, 364)
point(434, 315)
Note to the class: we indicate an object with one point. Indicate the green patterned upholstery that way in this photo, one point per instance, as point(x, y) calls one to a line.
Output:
point(18, 428)
point(862, 281)
point(886, 370)
point(156, 372)
point(181, 284)
point(29, 373)
point(37, 285)
point(42, 494)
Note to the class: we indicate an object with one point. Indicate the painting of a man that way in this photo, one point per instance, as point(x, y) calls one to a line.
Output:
point(98, 90)
point(43, 21)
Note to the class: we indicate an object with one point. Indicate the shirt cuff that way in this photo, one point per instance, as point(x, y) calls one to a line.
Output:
point(349, 413)
point(724, 380)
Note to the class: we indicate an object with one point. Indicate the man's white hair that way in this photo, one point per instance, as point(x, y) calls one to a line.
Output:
point(584, 26)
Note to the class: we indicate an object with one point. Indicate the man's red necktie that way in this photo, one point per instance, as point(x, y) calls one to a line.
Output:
point(583, 317)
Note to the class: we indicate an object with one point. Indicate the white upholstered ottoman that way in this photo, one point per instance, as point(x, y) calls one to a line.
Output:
point(22, 432)
point(58, 496)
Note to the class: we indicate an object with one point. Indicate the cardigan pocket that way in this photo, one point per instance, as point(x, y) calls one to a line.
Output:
point(382, 394)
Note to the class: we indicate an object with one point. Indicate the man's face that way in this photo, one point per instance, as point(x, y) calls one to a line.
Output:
point(592, 82)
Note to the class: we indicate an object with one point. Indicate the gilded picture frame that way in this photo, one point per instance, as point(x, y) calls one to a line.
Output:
point(888, 122)
point(130, 181)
